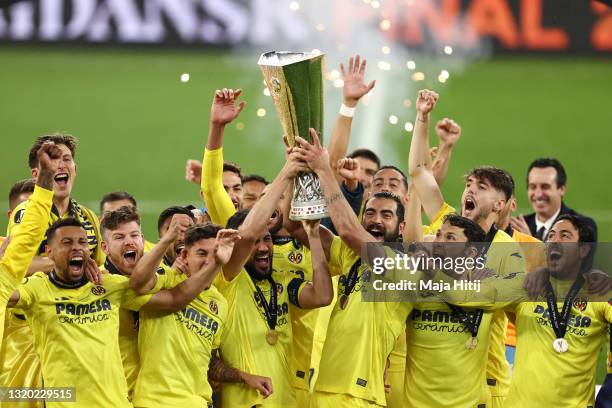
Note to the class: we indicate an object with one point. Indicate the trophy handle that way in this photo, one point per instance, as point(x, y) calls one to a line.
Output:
point(308, 199)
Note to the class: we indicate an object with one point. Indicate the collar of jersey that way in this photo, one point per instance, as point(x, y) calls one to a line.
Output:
point(72, 209)
point(67, 285)
point(280, 240)
point(111, 268)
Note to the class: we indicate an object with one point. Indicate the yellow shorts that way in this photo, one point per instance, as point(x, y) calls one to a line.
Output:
point(395, 396)
point(328, 400)
point(302, 398)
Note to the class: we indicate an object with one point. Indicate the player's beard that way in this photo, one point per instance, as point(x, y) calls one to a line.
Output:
point(256, 274)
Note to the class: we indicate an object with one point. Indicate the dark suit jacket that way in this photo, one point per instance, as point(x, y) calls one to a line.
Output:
point(530, 218)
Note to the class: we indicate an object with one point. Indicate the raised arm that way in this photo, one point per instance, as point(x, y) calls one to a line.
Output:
point(25, 240)
point(353, 90)
point(448, 136)
point(224, 110)
point(343, 217)
point(419, 159)
point(175, 299)
point(413, 226)
point(255, 225)
point(144, 276)
point(320, 291)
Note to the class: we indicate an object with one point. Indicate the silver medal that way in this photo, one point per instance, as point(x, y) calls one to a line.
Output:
point(560, 345)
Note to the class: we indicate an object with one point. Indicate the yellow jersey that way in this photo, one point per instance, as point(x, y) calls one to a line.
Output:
point(219, 205)
point(542, 377)
point(175, 349)
point(128, 336)
point(440, 370)
point(360, 337)
point(504, 256)
point(75, 334)
point(244, 340)
point(19, 362)
point(295, 259)
point(25, 242)
point(87, 217)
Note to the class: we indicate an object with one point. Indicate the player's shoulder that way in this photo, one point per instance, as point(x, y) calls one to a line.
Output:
point(18, 213)
point(113, 279)
point(502, 236)
point(87, 212)
point(524, 238)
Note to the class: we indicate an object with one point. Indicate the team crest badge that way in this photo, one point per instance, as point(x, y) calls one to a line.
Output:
point(295, 257)
point(279, 288)
point(580, 303)
point(214, 308)
point(98, 290)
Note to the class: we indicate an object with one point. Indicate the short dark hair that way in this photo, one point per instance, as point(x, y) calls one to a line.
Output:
point(585, 231)
point(169, 212)
point(111, 220)
point(471, 229)
point(385, 195)
point(19, 188)
point(117, 196)
point(549, 162)
point(59, 139)
point(586, 236)
point(500, 179)
point(366, 154)
point(389, 166)
point(232, 167)
point(254, 177)
point(199, 232)
point(236, 220)
point(61, 223)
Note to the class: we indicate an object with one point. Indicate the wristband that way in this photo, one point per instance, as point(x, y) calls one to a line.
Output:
point(346, 111)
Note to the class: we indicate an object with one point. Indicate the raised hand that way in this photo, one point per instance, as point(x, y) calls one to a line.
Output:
point(193, 171)
point(48, 156)
point(293, 165)
point(311, 227)
point(224, 245)
point(349, 169)
point(178, 225)
point(426, 100)
point(93, 272)
point(448, 131)
point(519, 224)
point(224, 108)
point(313, 154)
point(354, 86)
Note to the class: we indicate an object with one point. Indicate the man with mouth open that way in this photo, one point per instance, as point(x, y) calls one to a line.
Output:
point(259, 336)
point(368, 330)
point(487, 190)
point(66, 311)
point(559, 333)
point(63, 204)
point(20, 363)
point(172, 257)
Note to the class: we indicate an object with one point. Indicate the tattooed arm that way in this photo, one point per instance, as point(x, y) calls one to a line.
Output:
point(220, 372)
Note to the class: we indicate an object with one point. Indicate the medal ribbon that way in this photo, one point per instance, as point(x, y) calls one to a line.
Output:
point(352, 278)
point(559, 320)
point(270, 309)
point(464, 318)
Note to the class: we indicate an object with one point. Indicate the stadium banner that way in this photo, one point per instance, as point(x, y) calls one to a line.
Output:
point(508, 26)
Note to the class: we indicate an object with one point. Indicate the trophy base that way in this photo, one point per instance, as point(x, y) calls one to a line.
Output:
point(308, 211)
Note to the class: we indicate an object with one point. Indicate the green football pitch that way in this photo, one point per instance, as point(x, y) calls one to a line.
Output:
point(138, 123)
